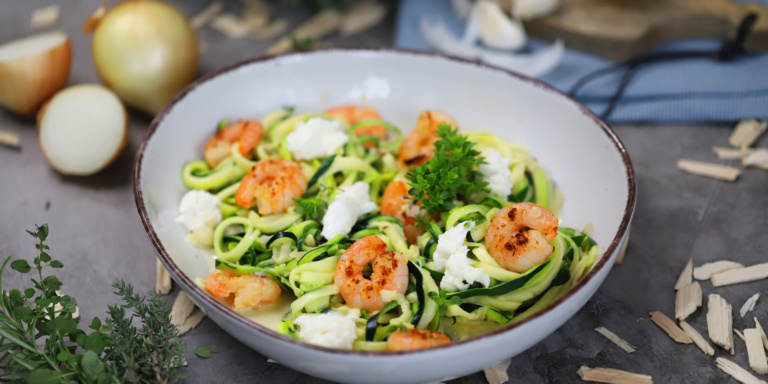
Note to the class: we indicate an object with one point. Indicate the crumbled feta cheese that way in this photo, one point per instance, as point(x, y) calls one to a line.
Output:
point(347, 206)
point(327, 329)
point(199, 213)
point(496, 172)
point(451, 255)
point(316, 137)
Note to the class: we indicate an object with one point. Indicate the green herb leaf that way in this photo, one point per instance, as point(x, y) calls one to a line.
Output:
point(313, 208)
point(57, 264)
point(91, 364)
point(44, 376)
point(21, 266)
point(42, 232)
point(29, 292)
point(299, 44)
point(203, 352)
point(44, 257)
point(95, 324)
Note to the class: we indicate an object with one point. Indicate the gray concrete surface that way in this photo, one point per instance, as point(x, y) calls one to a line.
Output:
point(96, 232)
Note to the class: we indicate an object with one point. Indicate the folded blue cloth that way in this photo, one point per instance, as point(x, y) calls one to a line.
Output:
point(689, 90)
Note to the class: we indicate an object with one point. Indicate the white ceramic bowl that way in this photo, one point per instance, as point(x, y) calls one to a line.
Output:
point(582, 155)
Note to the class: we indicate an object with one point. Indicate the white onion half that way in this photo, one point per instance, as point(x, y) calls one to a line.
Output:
point(82, 129)
point(32, 69)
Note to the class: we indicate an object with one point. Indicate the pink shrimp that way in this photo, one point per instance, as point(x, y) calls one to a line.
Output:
point(271, 184)
point(247, 133)
point(514, 248)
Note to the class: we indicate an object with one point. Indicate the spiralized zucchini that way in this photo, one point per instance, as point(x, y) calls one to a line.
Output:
point(289, 247)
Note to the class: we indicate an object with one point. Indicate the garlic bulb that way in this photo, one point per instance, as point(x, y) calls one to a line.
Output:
point(497, 30)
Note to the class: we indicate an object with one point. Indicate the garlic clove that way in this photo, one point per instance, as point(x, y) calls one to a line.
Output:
point(530, 9)
point(497, 30)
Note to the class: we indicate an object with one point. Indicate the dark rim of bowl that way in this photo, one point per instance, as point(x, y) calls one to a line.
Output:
point(188, 284)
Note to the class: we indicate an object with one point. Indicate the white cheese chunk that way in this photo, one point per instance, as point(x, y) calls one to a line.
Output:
point(327, 329)
point(347, 206)
point(451, 242)
point(199, 213)
point(316, 137)
point(496, 172)
point(451, 255)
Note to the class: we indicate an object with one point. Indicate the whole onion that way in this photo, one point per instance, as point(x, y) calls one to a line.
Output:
point(146, 51)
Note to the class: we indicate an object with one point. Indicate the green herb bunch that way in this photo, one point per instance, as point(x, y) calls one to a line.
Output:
point(41, 343)
point(450, 175)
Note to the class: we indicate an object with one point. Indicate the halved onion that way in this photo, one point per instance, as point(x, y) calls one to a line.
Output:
point(32, 69)
point(82, 129)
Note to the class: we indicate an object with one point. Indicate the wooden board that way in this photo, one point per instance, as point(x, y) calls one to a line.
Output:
point(621, 29)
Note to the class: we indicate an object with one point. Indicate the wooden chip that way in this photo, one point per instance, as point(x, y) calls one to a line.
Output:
point(256, 13)
point(45, 16)
point(669, 326)
point(319, 26)
point(623, 251)
point(623, 344)
point(363, 16)
point(755, 351)
point(497, 373)
point(715, 171)
point(705, 271)
point(687, 300)
point(720, 322)
point(230, 26)
point(615, 376)
point(685, 277)
point(191, 322)
point(758, 159)
point(725, 153)
point(746, 132)
point(697, 338)
point(272, 30)
point(762, 333)
point(742, 275)
point(739, 334)
point(93, 20)
point(738, 373)
point(749, 304)
point(9, 139)
point(207, 14)
point(182, 308)
point(163, 282)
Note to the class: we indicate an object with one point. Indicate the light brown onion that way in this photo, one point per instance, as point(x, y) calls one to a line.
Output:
point(146, 51)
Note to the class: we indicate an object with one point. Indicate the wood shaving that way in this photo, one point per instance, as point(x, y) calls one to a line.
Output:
point(623, 251)
point(724, 153)
point(705, 271)
point(317, 27)
point(720, 322)
point(256, 13)
point(669, 326)
point(191, 322)
point(687, 301)
point(749, 304)
point(615, 376)
point(742, 275)
point(739, 334)
point(363, 16)
point(755, 351)
point(163, 282)
point(738, 373)
point(746, 132)
point(206, 15)
point(182, 308)
point(9, 139)
point(621, 343)
point(758, 159)
point(697, 338)
point(272, 30)
point(90, 24)
point(497, 373)
point(686, 277)
point(715, 171)
point(762, 333)
point(45, 16)
point(230, 26)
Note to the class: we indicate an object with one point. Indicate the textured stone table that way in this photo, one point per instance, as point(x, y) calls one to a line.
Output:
point(96, 232)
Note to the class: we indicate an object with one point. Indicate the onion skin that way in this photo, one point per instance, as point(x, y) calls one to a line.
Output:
point(26, 83)
point(146, 52)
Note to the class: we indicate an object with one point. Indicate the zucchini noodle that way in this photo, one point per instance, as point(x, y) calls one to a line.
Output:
point(289, 246)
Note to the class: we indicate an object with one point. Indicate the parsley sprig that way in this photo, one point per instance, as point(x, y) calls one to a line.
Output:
point(450, 175)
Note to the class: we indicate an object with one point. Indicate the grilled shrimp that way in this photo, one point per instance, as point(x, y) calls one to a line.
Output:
point(271, 184)
point(355, 114)
point(395, 203)
point(247, 133)
point(514, 248)
point(390, 272)
point(418, 146)
point(415, 339)
point(244, 291)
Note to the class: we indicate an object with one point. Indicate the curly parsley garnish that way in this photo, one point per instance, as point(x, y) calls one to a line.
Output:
point(450, 175)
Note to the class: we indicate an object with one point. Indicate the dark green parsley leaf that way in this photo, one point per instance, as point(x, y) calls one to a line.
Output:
point(312, 208)
point(203, 352)
point(300, 44)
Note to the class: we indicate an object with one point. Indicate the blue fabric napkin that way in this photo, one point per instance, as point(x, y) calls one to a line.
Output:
point(691, 90)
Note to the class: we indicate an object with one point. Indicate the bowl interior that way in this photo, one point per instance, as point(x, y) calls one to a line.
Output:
point(583, 157)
